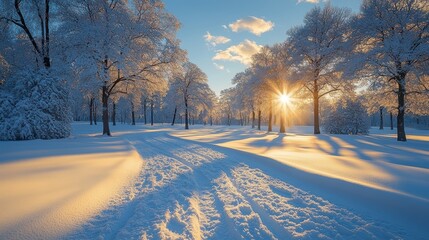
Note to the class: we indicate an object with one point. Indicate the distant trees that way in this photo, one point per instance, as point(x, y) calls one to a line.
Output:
point(123, 56)
point(383, 50)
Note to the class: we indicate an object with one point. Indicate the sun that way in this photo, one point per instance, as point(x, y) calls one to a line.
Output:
point(284, 99)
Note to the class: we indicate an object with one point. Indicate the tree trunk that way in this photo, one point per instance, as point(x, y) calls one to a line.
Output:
point(151, 112)
point(174, 116)
point(253, 119)
point(381, 118)
point(211, 120)
point(316, 112)
point(46, 58)
point(114, 114)
point(94, 111)
point(105, 98)
point(133, 116)
point(282, 122)
point(91, 107)
point(144, 111)
point(270, 118)
point(259, 119)
point(186, 115)
point(401, 111)
point(391, 121)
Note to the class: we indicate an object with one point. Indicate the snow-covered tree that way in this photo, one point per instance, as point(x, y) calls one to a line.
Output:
point(34, 88)
point(192, 87)
point(346, 117)
point(391, 47)
point(130, 45)
point(225, 104)
point(315, 48)
point(32, 19)
point(34, 105)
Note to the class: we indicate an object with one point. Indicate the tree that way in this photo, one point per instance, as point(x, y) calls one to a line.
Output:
point(191, 80)
point(346, 117)
point(391, 48)
point(131, 45)
point(37, 94)
point(315, 48)
point(24, 14)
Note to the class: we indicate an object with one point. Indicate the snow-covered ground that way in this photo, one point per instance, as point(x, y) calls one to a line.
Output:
point(215, 182)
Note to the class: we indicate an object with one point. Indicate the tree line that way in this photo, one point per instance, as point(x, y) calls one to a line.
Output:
point(61, 57)
point(379, 56)
point(121, 60)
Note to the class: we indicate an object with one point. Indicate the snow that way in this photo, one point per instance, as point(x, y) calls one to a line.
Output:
point(50, 187)
point(218, 182)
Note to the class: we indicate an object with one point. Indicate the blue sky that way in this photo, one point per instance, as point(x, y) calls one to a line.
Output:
point(236, 29)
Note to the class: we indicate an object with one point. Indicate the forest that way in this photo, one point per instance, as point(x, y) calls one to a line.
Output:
point(119, 61)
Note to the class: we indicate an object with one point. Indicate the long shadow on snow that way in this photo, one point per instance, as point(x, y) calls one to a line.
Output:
point(388, 203)
point(139, 206)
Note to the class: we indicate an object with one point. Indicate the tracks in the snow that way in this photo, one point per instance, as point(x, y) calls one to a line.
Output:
point(190, 190)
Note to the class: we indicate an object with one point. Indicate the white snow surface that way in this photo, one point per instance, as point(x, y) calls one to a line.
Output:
point(164, 182)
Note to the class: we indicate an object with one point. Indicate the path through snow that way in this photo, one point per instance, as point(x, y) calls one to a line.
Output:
point(191, 190)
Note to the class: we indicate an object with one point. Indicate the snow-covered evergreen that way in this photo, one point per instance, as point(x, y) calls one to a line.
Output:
point(34, 105)
point(348, 117)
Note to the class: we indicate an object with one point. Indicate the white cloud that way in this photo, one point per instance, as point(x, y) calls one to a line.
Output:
point(219, 66)
point(215, 40)
point(242, 52)
point(224, 26)
point(254, 25)
point(309, 1)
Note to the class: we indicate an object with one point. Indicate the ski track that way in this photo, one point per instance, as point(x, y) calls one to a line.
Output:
point(189, 190)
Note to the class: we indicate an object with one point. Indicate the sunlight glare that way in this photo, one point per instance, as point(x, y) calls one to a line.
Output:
point(284, 99)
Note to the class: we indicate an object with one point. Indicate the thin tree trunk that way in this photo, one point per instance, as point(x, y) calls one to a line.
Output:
point(186, 115)
point(91, 107)
point(144, 111)
point(270, 118)
point(174, 116)
point(133, 120)
point(94, 111)
point(46, 58)
point(253, 119)
point(105, 101)
point(282, 122)
point(401, 136)
point(259, 119)
point(316, 112)
point(391, 121)
point(381, 119)
point(114, 114)
point(133, 116)
point(151, 112)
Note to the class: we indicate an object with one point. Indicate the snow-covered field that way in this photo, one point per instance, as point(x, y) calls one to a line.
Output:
point(215, 182)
